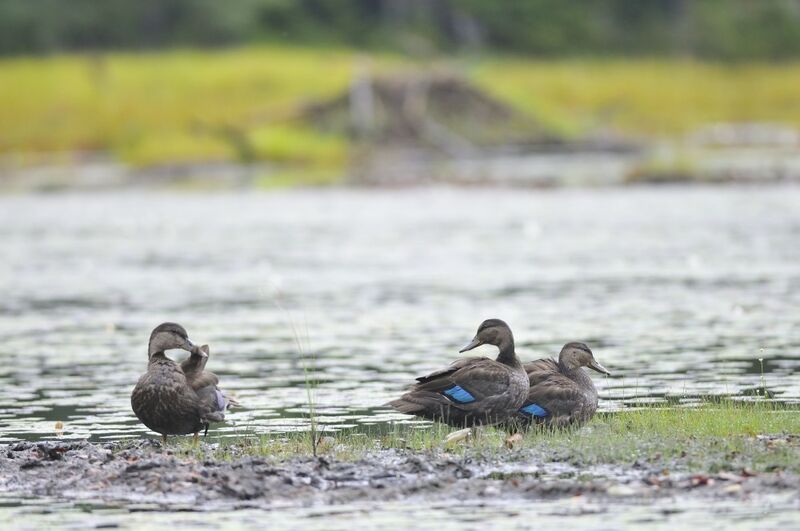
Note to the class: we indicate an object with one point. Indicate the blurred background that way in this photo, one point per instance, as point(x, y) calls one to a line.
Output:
point(350, 187)
point(264, 93)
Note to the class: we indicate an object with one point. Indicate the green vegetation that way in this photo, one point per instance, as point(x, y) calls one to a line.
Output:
point(175, 107)
point(757, 436)
point(246, 105)
point(644, 97)
point(732, 30)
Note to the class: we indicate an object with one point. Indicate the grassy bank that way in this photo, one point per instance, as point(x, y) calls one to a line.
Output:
point(173, 107)
point(661, 98)
point(242, 105)
point(756, 436)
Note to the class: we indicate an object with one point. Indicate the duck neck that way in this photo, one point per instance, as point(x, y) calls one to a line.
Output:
point(572, 372)
point(508, 355)
point(157, 356)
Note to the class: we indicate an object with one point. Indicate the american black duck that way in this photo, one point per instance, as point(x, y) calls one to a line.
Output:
point(561, 393)
point(173, 399)
point(472, 391)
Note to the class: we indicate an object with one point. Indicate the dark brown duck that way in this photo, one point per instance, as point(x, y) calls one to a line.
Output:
point(472, 391)
point(173, 399)
point(561, 393)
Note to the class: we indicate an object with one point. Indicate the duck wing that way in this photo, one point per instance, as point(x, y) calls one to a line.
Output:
point(470, 391)
point(451, 369)
point(204, 379)
point(213, 403)
point(556, 400)
point(467, 381)
point(540, 370)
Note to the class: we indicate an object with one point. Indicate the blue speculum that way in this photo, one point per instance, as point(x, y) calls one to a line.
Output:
point(458, 394)
point(534, 410)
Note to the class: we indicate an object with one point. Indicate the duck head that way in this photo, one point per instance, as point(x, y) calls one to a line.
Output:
point(168, 336)
point(492, 332)
point(576, 355)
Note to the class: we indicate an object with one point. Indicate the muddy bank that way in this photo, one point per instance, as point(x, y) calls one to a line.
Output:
point(143, 475)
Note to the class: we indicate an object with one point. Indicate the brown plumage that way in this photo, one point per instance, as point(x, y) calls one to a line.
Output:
point(194, 367)
point(205, 384)
point(173, 399)
point(561, 393)
point(471, 391)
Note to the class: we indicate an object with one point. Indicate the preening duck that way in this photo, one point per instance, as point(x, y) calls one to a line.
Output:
point(173, 399)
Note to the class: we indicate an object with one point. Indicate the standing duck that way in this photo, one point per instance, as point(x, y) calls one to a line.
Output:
point(561, 393)
point(472, 391)
point(170, 401)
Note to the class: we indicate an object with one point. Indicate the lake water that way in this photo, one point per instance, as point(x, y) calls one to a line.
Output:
point(678, 290)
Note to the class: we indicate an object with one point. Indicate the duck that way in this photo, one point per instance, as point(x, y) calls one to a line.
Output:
point(472, 391)
point(177, 399)
point(205, 382)
point(561, 393)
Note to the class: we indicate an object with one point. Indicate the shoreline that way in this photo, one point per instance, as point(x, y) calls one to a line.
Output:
point(143, 474)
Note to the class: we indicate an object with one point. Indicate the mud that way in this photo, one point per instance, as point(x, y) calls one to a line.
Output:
point(143, 476)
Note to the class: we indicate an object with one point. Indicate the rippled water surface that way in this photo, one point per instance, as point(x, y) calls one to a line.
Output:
point(679, 291)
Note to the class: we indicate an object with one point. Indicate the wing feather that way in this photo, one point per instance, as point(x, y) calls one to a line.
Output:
point(480, 377)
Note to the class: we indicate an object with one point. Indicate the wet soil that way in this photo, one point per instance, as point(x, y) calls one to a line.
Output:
point(142, 474)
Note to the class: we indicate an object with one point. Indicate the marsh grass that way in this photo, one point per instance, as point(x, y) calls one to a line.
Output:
point(723, 435)
point(241, 105)
point(175, 106)
point(643, 97)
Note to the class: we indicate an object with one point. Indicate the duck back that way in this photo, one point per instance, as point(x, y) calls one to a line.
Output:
point(557, 397)
point(164, 402)
point(470, 392)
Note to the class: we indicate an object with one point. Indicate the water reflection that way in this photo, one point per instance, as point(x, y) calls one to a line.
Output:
point(679, 291)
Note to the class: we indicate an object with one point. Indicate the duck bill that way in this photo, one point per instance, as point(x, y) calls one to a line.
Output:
point(188, 346)
point(599, 368)
point(472, 344)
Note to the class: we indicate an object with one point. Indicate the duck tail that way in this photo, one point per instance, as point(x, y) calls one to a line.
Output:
point(403, 405)
point(232, 402)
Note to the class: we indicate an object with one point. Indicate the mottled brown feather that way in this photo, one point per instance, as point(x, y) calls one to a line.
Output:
point(569, 397)
point(173, 399)
point(496, 387)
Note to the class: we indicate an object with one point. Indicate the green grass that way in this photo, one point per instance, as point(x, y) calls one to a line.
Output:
point(176, 106)
point(712, 437)
point(242, 105)
point(641, 97)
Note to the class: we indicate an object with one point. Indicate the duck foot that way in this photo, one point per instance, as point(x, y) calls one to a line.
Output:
point(460, 435)
point(196, 438)
point(164, 441)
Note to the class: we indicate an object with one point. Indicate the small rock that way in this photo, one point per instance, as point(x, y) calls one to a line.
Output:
point(736, 488)
point(700, 480)
point(490, 491)
point(513, 441)
point(728, 476)
point(619, 491)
